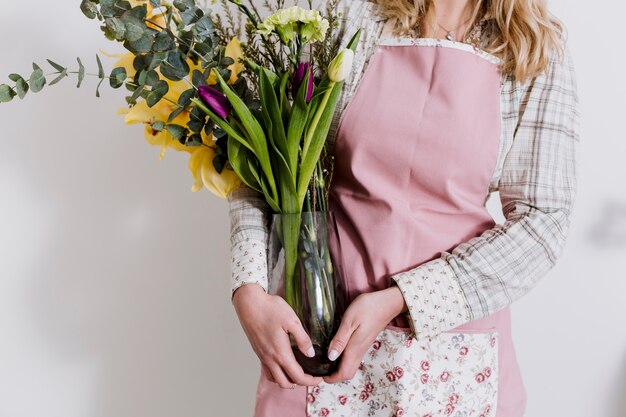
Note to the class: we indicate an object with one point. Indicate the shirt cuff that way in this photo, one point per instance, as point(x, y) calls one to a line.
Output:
point(434, 298)
point(249, 264)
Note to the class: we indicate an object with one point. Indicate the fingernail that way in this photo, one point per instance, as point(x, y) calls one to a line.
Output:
point(333, 354)
point(311, 352)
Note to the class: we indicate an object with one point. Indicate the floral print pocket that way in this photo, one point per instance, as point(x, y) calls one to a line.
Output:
point(451, 374)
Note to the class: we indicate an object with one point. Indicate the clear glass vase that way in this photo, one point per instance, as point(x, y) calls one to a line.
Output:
point(304, 263)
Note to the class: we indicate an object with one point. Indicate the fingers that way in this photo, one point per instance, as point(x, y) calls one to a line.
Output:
point(268, 374)
point(279, 376)
point(295, 372)
point(350, 362)
point(302, 339)
point(340, 341)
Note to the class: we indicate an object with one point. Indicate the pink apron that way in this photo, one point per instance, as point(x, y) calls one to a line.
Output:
point(415, 150)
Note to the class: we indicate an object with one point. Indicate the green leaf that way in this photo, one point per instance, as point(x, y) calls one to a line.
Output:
point(224, 125)
point(116, 27)
point(141, 62)
point(57, 66)
point(158, 126)
point(59, 78)
point(118, 76)
point(203, 28)
point(183, 5)
point(191, 15)
point(311, 153)
point(298, 119)
point(163, 41)
point(143, 44)
point(194, 140)
point(238, 156)
point(114, 8)
point(174, 114)
point(37, 79)
point(100, 69)
point(89, 9)
point(135, 29)
point(271, 111)
point(198, 79)
point(148, 78)
point(177, 131)
point(6, 93)
point(158, 91)
point(226, 61)
point(21, 86)
point(155, 3)
point(175, 67)
point(81, 72)
point(185, 97)
point(98, 87)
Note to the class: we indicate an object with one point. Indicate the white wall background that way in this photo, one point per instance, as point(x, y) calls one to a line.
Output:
point(114, 276)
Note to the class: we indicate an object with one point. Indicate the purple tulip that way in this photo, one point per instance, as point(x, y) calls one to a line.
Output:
point(215, 100)
point(299, 77)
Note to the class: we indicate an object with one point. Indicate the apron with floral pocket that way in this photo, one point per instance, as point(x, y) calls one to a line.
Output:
point(415, 150)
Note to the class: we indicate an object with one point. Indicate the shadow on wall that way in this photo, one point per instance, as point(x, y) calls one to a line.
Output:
point(609, 230)
point(620, 402)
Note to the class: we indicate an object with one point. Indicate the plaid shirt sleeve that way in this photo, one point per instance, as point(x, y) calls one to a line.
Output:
point(537, 189)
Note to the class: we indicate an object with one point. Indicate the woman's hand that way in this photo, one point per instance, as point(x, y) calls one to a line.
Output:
point(364, 319)
point(267, 321)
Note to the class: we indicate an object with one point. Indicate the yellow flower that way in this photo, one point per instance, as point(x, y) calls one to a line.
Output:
point(204, 173)
point(234, 51)
point(201, 158)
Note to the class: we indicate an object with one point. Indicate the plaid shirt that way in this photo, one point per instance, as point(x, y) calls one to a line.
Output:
point(536, 176)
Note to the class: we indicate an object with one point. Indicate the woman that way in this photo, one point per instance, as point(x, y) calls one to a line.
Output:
point(448, 101)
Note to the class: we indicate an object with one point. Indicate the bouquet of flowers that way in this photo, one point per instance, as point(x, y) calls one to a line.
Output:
point(255, 111)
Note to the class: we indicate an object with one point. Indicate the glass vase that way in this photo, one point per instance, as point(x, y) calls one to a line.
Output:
point(304, 262)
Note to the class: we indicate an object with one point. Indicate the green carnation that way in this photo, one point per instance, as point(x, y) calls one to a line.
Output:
point(294, 20)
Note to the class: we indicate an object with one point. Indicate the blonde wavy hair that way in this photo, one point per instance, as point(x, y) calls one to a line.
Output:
point(521, 32)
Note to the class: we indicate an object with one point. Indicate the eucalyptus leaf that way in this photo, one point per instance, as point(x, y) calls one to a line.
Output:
point(141, 62)
point(198, 79)
point(143, 44)
point(57, 66)
point(194, 140)
point(114, 8)
point(174, 67)
point(59, 78)
point(191, 15)
point(100, 68)
point(134, 29)
point(177, 131)
point(163, 41)
point(21, 86)
point(89, 9)
point(118, 76)
point(203, 28)
point(37, 80)
point(6, 93)
point(81, 72)
point(174, 114)
point(184, 100)
point(98, 88)
point(116, 27)
point(158, 126)
point(158, 91)
point(155, 3)
point(183, 5)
